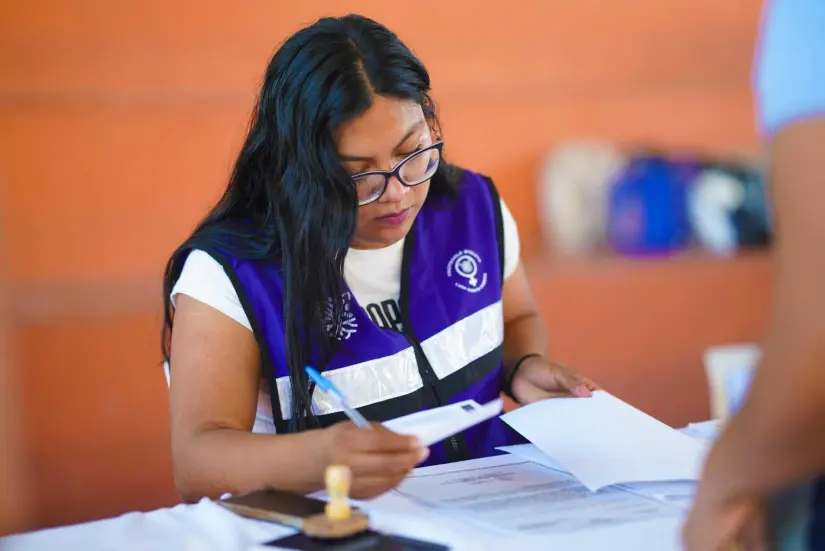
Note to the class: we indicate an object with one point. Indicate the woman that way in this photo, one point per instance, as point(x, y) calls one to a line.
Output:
point(344, 241)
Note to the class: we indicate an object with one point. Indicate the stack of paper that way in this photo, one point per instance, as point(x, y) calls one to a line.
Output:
point(598, 474)
point(604, 441)
point(508, 496)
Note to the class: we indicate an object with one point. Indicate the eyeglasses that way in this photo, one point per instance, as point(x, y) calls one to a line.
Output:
point(415, 169)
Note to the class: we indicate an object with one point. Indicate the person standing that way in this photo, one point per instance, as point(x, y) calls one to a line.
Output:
point(763, 484)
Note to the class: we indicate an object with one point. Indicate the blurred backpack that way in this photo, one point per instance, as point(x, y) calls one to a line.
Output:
point(647, 205)
point(729, 208)
point(572, 192)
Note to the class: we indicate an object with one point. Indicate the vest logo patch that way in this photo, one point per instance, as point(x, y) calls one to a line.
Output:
point(464, 269)
point(349, 325)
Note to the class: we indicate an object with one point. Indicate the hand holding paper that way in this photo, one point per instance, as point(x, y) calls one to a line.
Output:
point(537, 379)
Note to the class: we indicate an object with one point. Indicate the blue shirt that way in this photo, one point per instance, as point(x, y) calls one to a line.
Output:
point(789, 78)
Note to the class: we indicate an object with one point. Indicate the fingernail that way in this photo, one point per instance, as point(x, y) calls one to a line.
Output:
point(423, 454)
point(581, 390)
point(416, 443)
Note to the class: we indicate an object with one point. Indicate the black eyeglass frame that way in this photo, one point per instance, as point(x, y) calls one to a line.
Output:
point(387, 174)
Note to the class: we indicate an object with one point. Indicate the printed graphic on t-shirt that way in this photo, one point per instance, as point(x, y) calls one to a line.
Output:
point(385, 314)
point(349, 325)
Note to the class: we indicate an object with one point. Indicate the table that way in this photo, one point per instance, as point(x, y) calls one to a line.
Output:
point(206, 526)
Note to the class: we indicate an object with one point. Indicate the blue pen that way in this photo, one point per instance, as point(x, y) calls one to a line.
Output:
point(332, 391)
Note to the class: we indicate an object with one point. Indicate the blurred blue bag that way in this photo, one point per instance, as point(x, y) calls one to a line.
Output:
point(647, 206)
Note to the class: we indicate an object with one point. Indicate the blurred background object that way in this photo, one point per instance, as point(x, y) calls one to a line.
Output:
point(119, 122)
point(594, 198)
point(647, 212)
point(573, 192)
point(729, 207)
point(714, 198)
point(728, 368)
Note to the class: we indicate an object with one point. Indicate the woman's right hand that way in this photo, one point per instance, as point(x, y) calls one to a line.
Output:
point(378, 458)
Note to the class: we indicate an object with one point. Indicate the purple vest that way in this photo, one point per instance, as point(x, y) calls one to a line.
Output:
point(450, 347)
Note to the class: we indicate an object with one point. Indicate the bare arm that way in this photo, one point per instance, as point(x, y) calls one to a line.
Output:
point(525, 333)
point(213, 396)
point(778, 438)
point(215, 377)
point(524, 330)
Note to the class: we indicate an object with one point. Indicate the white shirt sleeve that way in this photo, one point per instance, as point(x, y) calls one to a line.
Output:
point(512, 244)
point(204, 279)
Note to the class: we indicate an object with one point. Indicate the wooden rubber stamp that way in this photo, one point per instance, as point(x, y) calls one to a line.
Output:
point(338, 480)
point(339, 519)
point(334, 524)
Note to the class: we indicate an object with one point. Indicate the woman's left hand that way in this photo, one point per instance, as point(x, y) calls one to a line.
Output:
point(538, 379)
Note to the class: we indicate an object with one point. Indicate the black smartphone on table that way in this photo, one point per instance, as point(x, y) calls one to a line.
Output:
point(366, 541)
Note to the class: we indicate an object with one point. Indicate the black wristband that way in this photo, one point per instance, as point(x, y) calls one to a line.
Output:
point(508, 388)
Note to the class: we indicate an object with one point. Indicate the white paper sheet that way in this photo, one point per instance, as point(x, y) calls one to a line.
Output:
point(604, 441)
point(434, 425)
point(530, 452)
point(704, 432)
point(523, 498)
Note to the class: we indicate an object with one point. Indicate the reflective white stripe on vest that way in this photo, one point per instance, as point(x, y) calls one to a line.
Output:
point(465, 341)
point(397, 375)
point(364, 383)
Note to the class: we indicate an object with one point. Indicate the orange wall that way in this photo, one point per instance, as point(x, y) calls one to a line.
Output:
point(125, 116)
point(119, 121)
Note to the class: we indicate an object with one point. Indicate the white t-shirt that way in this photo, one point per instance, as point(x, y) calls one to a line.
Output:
point(373, 276)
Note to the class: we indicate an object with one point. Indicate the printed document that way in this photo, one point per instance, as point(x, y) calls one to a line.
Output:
point(679, 492)
point(522, 497)
point(604, 441)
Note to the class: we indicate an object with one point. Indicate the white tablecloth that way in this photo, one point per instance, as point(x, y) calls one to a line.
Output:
point(206, 526)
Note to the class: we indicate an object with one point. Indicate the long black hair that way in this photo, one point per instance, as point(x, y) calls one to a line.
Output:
point(289, 199)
